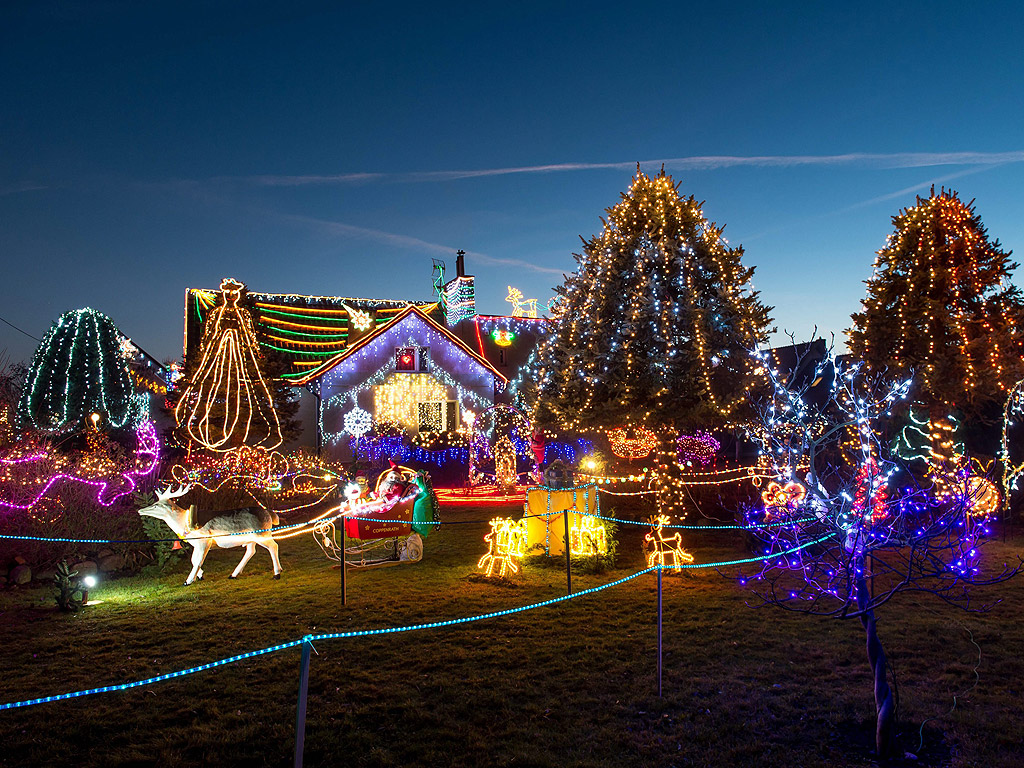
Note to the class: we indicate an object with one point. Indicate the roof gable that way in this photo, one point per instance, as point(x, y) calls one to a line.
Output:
point(397, 327)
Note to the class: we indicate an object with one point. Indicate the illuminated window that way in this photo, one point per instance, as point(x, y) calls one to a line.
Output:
point(412, 359)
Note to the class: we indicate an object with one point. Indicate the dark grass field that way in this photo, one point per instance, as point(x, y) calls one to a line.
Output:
point(566, 685)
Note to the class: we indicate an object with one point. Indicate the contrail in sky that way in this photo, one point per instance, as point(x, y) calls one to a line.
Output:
point(405, 241)
point(693, 163)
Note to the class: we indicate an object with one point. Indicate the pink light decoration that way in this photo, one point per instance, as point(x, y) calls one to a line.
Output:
point(700, 448)
point(146, 458)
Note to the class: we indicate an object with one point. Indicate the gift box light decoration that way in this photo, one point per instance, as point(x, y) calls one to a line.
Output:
point(506, 546)
point(228, 402)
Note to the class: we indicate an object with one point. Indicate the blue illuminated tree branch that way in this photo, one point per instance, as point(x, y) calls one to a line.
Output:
point(880, 531)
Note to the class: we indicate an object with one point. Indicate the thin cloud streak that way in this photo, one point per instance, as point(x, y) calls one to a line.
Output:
point(692, 163)
point(918, 187)
point(405, 241)
point(874, 200)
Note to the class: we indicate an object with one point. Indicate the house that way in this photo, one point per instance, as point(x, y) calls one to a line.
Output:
point(411, 372)
point(418, 366)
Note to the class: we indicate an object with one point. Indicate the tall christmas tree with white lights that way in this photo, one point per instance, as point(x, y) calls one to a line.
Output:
point(656, 326)
point(940, 304)
point(654, 331)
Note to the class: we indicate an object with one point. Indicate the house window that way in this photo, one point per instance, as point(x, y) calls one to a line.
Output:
point(502, 357)
point(438, 416)
point(412, 359)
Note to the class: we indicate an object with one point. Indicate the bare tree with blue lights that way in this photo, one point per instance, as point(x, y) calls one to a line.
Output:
point(851, 527)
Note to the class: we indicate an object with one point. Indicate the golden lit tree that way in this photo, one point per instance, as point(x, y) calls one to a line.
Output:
point(656, 326)
point(940, 304)
point(654, 330)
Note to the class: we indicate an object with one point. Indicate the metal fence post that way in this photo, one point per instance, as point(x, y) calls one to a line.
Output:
point(568, 564)
point(300, 710)
point(659, 630)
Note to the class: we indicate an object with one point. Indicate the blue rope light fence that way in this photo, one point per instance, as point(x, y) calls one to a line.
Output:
point(307, 642)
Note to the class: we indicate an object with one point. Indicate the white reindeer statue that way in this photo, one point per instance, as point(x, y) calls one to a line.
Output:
point(228, 530)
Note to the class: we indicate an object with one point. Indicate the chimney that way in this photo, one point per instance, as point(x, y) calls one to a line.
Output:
point(460, 263)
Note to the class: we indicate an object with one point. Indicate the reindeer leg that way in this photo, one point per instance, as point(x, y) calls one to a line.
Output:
point(271, 546)
point(199, 550)
point(250, 550)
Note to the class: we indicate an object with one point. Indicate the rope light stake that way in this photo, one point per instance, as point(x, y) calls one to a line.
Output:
point(659, 631)
point(300, 709)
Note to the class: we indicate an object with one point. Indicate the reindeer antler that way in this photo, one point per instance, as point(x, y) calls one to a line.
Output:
point(172, 493)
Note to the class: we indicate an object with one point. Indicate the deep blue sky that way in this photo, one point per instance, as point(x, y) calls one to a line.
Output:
point(304, 147)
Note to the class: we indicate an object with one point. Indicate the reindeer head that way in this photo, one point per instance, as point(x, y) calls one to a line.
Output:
point(165, 509)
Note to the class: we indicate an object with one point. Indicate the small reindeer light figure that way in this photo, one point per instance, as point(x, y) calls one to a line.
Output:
point(507, 543)
point(661, 550)
point(521, 308)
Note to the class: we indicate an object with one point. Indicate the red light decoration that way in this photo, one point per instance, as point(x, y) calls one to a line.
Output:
point(632, 442)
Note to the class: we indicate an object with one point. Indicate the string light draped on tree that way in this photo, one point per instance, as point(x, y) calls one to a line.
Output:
point(940, 304)
point(227, 403)
point(77, 370)
point(656, 324)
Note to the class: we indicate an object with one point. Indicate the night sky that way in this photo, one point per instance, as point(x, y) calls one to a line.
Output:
point(313, 148)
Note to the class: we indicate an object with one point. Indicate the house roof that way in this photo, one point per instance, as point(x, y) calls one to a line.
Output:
point(409, 311)
point(307, 331)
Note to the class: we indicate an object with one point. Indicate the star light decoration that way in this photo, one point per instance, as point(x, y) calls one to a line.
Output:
point(360, 319)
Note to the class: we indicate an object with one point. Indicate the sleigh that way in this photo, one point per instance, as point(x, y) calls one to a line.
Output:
point(381, 519)
point(385, 530)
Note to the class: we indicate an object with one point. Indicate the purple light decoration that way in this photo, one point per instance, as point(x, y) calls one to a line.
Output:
point(700, 447)
point(148, 451)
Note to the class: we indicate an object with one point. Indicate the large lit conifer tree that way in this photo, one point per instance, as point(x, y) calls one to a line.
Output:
point(940, 303)
point(78, 369)
point(656, 326)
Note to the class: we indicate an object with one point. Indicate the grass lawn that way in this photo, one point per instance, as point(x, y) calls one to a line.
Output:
point(565, 685)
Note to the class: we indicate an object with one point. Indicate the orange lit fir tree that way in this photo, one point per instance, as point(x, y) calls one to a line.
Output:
point(940, 304)
point(654, 329)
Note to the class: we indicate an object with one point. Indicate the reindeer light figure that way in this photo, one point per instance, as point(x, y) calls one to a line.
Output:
point(662, 549)
point(507, 543)
point(521, 308)
point(241, 528)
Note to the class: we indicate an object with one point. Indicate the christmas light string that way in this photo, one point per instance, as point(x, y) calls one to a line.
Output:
point(148, 453)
